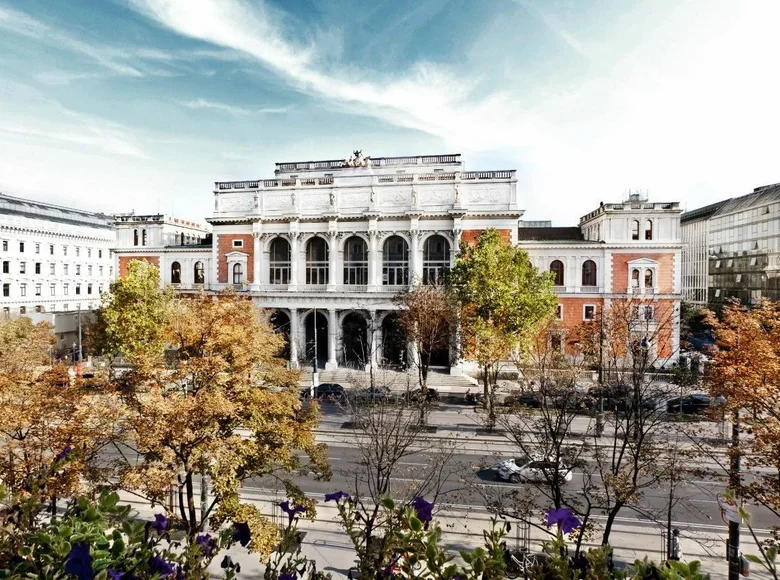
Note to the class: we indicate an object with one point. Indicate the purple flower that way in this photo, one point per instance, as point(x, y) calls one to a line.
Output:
point(241, 533)
point(162, 567)
point(292, 512)
point(337, 496)
point(288, 576)
point(423, 509)
point(63, 454)
point(113, 575)
point(564, 519)
point(207, 544)
point(80, 562)
point(160, 524)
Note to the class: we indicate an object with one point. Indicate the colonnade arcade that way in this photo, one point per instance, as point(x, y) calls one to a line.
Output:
point(361, 261)
point(346, 338)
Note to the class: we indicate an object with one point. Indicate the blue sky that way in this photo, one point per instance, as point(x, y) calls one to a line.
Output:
point(143, 104)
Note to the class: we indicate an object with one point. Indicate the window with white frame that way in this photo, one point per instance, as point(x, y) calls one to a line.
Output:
point(589, 312)
point(559, 312)
point(717, 292)
point(22, 289)
point(65, 269)
point(238, 243)
point(753, 261)
point(739, 278)
point(52, 268)
point(38, 289)
point(22, 267)
point(53, 289)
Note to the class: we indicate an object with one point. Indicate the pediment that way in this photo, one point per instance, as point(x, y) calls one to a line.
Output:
point(643, 262)
point(236, 255)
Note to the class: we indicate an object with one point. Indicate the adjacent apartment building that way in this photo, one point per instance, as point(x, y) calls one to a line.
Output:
point(732, 249)
point(326, 245)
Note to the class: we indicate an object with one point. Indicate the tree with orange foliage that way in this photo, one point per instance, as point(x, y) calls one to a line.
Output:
point(745, 371)
point(221, 404)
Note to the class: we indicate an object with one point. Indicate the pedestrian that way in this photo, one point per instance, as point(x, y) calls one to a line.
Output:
point(674, 551)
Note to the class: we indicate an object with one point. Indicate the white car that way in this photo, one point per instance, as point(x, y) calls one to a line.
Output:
point(530, 469)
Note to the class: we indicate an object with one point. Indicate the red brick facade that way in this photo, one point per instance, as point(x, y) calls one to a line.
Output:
point(665, 282)
point(225, 246)
point(470, 236)
point(124, 263)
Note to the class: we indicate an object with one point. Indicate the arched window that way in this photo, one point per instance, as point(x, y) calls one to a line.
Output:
point(648, 230)
point(182, 239)
point(200, 273)
point(279, 263)
point(143, 237)
point(355, 261)
point(589, 273)
point(176, 273)
point(395, 266)
point(635, 230)
point(556, 267)
point(317, 261)
point(436, 259)
point(648, 278)
point(635, 278)
point(238, 273)
point(135, 237)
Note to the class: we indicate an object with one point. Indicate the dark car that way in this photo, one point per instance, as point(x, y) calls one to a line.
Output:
point(369, 395)
point(332, 392)
point(416, 396)
point(689, 404)
point(528, 399)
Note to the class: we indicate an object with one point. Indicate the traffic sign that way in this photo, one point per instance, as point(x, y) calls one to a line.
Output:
point(729, 511)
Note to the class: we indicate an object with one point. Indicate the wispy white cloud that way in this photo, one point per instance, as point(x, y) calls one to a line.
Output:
point(231, 109)
point(61, 77)
point(554, 24)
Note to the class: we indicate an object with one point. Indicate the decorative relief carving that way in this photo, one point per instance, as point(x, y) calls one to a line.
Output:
point(277, 202)
point(316, 200)
point(353, 200)
point(398, 198)
point(484, 196)
point(440, 197)
point(235, 203)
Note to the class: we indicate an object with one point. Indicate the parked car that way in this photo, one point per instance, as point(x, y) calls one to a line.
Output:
point(370, 395)
point(527, 399)
point(536, 469)
point(689, 404)
point(416, 395)
point(332, 392)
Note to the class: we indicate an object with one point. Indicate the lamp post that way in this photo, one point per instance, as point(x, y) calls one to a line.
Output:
point(600, 413)
point(732, 547)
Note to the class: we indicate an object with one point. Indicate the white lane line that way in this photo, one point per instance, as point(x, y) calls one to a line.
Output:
point(412, 463)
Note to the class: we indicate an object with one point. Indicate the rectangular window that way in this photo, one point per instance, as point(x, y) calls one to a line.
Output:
point(37, 248)
point(649, 312)
point(78, 289)
point(89, 252)
point(37, 267)
point(38, 289)
point(717, 293)
point(6, 290)
point(22, 267)
point(100, 269)
point(51, 249)
point(22, 310)
point(589, 312)
point(100, 253)
point(21, 247)
point(6, 312)
point(100, 289)
point(53, 288)
point(78, 269)
point(64, 250)
point(753, 261)
point(6, 267)
point(52, 268)
point(5, 245)
point(717, 263)
point(89, 270)
point(559, 312)
point(65, 289)
point(89, 288)
point(65, 269)
point(78, 251)
point(23, 289)
point(730, 263)
point(110, 271)
point(739, 278)
point(238, 243)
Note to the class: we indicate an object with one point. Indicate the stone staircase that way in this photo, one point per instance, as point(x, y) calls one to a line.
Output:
point(395, 380)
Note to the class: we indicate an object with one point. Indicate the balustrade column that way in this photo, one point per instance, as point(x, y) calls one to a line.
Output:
point(294, 337)
point(333, 337)
point(373, 337)
point(372, 260)
point(415, 264)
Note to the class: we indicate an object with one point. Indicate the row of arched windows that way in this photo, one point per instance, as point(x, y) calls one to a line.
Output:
point(135, 237)
point(395, 265)
point(199, 273)
point(588, 273)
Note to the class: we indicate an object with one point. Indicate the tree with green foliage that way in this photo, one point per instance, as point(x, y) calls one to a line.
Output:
point(503, 301)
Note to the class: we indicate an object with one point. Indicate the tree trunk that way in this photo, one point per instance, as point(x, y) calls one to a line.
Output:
point(609, 523)
point(488, 395)
point(192, 526)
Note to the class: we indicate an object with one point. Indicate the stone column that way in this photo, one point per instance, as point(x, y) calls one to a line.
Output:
point(294, 236)
point(415, 263)
point(294, 337)
point(333, 337)
point(256, 260)
point(214, 274)
point(373, 337)
point(373, 256)
point(333, 254)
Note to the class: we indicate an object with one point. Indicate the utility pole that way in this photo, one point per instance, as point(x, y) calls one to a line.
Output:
point(732, 548)
point(600, 414)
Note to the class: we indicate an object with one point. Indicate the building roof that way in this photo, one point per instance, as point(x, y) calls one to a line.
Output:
point(760, 196)
point(10, 205)
point(702, 212)
point(550, 234)
point(336, 164)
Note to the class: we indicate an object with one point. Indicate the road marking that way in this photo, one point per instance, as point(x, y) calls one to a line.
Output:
point(412, 463)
